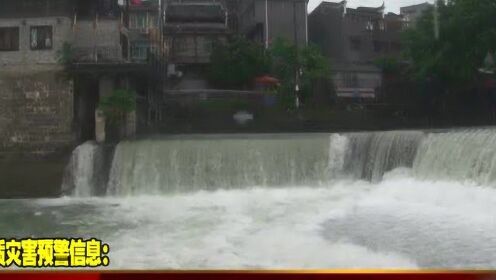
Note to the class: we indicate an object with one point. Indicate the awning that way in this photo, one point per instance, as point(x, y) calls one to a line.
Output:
point(266, 80)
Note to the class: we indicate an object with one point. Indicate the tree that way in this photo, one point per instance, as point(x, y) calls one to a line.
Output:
point(306, 64)
point(236, 62)
point(388, 65)
point(467, 31)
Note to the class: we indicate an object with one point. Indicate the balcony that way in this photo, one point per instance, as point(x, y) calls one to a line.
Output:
point(97, 54)
point(97, 41)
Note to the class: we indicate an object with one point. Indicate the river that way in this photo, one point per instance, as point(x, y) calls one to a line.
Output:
point(399, 199)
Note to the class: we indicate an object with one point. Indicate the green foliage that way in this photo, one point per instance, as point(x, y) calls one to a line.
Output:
point(291, 65)
point(467, 31)
point(118, 104)
point(388, 65)
point(65, 55)
point(234, 64)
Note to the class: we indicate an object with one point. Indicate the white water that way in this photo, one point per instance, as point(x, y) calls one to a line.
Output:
point(158, 166)
point(80, 171)
point(383, 200)
point(458, 156)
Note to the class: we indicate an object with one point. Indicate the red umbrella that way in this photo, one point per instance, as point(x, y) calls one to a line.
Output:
point(266, 80)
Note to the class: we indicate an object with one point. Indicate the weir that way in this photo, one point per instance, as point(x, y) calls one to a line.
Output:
point(193, 163)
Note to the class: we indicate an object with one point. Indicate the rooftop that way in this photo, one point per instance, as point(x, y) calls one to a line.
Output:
point(416, 7)
point(196, 12)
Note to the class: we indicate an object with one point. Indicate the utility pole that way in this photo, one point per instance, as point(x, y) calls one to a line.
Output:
point(266, 24)
point(297, 64)
point(436, 19)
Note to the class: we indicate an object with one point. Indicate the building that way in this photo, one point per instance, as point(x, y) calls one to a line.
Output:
point(191, 27)
point(266, 20)
point(43, 110)
point(143, 28)
point(412, 13)
point(353, 39)
point(36, 106)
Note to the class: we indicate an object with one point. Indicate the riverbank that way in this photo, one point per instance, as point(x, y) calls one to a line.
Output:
point(22, 178)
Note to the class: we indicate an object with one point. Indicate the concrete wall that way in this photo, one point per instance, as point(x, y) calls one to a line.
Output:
point(334, 32)
point(325, 29)
point(35, 112)
point(97, 42)
point(106, 34)
point(286, 18)
point(61, 31)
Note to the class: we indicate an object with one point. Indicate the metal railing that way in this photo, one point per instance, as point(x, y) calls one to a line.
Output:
point(97, 54)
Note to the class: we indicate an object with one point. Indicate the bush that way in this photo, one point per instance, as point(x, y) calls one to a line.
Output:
point(116, 106)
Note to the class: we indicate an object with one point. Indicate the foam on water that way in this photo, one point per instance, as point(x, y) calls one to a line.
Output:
point(458, 156)
point(398, 223)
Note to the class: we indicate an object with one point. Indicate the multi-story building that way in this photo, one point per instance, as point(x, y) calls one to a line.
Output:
point(37, 107)
point(143, 28)
point(412, 13)
point(191, 27)
point(41, 109)
point(354, 39)
point(266, 20)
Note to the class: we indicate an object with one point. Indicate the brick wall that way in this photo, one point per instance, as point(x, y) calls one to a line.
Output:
point(36, 100)
point(36, 112)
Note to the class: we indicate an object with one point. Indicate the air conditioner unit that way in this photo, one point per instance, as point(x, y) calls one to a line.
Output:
point(172, 72)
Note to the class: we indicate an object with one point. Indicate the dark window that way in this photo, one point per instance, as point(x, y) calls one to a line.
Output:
point(138, 21)
point(356, 44)
point(41, 37)
point(139, 50)
point(378, 46)
point(350, 80)
point(9, 38)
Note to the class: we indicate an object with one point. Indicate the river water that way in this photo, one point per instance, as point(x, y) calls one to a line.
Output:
point(401, 199)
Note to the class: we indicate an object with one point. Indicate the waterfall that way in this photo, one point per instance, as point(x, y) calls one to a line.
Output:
point(468, 155)
point(182, 164)
point(371, 155)
point(79, 175)
point(158, 166)
point(87, 172)
point(337, 155)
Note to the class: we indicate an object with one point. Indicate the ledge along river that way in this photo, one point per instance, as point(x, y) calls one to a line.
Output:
point(401, 199)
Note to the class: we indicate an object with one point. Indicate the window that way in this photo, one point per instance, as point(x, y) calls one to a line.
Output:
point(137, 21)
point(350, 80)
point(152, 21)
point(139, 50)
point(41, 37)
point(356, 43)
point(9, 38)
point(369, 26)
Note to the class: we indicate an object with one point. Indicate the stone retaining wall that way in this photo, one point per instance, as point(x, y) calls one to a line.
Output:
point(36, 112)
